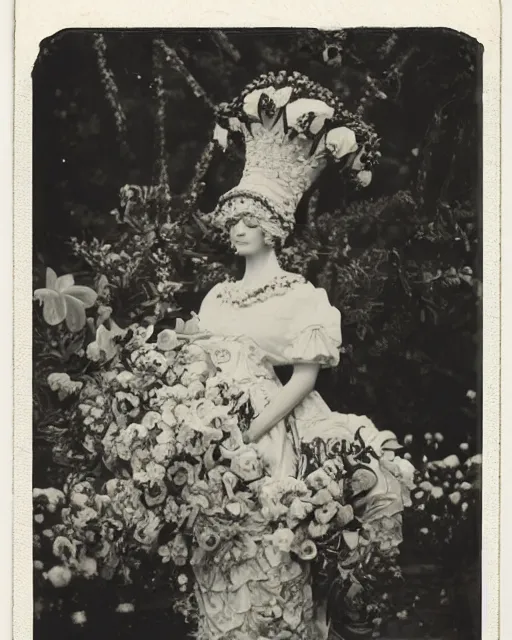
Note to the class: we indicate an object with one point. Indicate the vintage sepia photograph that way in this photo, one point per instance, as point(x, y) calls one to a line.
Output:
point(257, 334)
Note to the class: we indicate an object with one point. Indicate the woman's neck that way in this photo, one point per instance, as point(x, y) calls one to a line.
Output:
point(260, 268)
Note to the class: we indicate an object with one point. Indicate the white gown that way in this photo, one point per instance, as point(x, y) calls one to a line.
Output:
point(294, 324)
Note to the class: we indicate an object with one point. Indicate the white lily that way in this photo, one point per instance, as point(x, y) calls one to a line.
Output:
point(280, 98)
point(220, 135)
point(298, 108)
point(341, 141)
point(357, 165)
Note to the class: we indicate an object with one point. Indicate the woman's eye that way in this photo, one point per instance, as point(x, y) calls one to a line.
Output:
point(250, 222)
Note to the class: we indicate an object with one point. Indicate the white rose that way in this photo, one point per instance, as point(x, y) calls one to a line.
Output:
point(58, 380)
point(166, 435)
point(452, 462)
point(282, 539)
point(167, 340)
point(88, 567)
point(151, 419)
point(59, 576)
point(79, 617)
point(93, 351)
point(455, 497)
point(125, 378)
point(318, 479)
point(162, 452)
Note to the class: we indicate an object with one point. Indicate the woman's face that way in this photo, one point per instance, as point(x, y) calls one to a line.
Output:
point(247, 236)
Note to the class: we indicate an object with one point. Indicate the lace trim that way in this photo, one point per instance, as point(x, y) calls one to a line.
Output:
point(232, 293)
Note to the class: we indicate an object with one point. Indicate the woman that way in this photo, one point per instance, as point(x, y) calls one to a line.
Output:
point(269, 318)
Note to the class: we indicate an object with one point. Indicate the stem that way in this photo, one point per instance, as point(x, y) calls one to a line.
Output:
point(162, 173)
point(177, 63)
point(110, 86)
point(223, 43)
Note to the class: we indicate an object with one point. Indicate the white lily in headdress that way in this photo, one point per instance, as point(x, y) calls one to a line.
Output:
point(341, 141)
point(320, 112)
point(220, 135)
point(265, 105)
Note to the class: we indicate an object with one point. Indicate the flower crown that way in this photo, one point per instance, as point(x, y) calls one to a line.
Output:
point(292, 128)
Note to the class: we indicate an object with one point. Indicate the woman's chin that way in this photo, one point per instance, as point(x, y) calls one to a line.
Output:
point(244, 250)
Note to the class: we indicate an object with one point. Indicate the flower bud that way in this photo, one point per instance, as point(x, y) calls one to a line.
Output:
point(79, 617)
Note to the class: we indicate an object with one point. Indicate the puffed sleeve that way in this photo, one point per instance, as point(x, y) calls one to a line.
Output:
point(314, 333)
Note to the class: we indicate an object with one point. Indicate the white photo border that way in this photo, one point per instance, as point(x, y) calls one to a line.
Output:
point(36, 20)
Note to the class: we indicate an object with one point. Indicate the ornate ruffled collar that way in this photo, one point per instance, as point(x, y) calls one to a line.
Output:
point(231, 292)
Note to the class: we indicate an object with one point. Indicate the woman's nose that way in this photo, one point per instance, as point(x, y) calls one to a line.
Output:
point(239, 229)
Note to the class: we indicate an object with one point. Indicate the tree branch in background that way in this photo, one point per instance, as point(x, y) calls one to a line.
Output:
point(222, 41)
point(161, 160)
point(111, 90)
point(177, 63)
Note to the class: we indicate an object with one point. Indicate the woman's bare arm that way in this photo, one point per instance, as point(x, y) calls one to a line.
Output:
point(294, 391)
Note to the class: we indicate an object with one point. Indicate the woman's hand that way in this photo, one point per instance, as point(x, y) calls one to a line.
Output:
point(294, 391)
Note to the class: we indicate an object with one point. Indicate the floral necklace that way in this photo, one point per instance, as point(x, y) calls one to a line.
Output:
point(231, 292)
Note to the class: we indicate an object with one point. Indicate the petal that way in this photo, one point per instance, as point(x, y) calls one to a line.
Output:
point(317, 124)
point(85, 295)
point(364, 178)
point(306, 105)
point(75, 314)
point(64, 282)
point(282, 97)
point(341, 141)
point(220, 135)
point(54, 310)
point(251, 102)
point(351, 539)
point(51, 278)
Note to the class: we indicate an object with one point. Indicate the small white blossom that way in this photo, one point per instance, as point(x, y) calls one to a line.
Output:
point(79, 617)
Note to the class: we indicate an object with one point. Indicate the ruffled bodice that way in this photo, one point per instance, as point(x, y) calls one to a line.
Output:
point(293, 324)
point(286, 323)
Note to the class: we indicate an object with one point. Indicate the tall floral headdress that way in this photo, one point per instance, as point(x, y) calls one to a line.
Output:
point(292, 129)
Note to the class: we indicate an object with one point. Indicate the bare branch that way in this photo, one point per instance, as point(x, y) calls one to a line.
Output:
point(109, 83)
point(223, 42)
point(178, 64)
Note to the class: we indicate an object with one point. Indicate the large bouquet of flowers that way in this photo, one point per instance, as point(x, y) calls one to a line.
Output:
point(174, 481)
